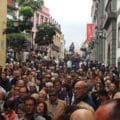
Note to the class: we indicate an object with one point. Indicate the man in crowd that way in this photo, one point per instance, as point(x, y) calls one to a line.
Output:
point(82, 97)
point(30, 105)
point(55, 106)
point(109, 111)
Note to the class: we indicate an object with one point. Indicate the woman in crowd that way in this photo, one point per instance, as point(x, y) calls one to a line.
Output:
point(42, 110)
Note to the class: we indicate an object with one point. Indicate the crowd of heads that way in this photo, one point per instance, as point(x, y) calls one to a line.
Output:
point(49, 89)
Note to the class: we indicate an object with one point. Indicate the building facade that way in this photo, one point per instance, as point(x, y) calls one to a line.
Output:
point(55, 48)
point(11, 9)
point(62, 47)
point(41, 16)
point(104, 15)
point(3, 14)
point(97, 13)
point(110, 27)
point(118, 36)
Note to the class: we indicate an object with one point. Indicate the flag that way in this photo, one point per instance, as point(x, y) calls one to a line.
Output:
point(89, 32)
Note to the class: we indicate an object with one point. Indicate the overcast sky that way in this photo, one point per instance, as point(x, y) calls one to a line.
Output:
point(73, 15)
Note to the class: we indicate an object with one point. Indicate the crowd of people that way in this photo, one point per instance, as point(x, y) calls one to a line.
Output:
point(40, 88)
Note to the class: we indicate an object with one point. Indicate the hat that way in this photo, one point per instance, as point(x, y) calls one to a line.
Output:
point(53, 91)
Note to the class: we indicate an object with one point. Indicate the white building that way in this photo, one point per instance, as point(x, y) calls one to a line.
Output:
point(62, 47)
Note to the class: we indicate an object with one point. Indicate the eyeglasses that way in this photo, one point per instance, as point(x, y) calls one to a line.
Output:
point(77, 89)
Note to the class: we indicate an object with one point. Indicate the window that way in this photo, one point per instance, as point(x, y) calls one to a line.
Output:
point(46, 19)
point(118, 37)
point(37, 18)
point(42, 19)
point(113, 5)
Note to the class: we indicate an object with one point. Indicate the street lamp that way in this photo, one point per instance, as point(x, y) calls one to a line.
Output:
point(15, 23)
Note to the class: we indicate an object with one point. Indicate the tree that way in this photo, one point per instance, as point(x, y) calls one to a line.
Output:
point(16, 40)
point(72, 47)
point(28, 7)
point(34, 4)
point(45, 34)
point(26, 12)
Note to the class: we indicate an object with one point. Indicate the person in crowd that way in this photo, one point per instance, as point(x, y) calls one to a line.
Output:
point(35, 96)
point(30, 107)
point(42, 110)
point(69, 109)
point(20, 83)
point(58, 86)
point(25, 78)
point(82, 114)
point(110, 110)
point(16, 76)
point(69, 65)
point(100, 96)
point(81, 96)
point(32, 87)
point(116, 95)
point(20, 112)
point(55, 106)
point(112, 89)
point(42, 95)
point(4, 82)
point(13, 93)
point(23, 93)
point(49, 85)
point(2, 101)
point(9, 112)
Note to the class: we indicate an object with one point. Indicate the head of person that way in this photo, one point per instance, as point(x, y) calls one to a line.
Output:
point(21, 111)
point(20, 83)
point(53, 95)
point(49, 85)
point(25, 78)
point(16, 90)
point(107, 84)
point(112, 87)
point(80, 89)
point(42, 95)
point(68, 79)
point(109, 110)
point(42, 108)
point(3, 76)
point(8, 106)
point(82, 114)
point(58, 84)
point(32, 87)
point(23, 92)
point(35, 96)
point(30, 105)
point(2, 95)
point(116, 95)
point(17, 74)
point(47, 77)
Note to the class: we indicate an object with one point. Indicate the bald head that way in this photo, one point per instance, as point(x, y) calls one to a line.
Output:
point(117, 95)
point(109, 111)
point(82, 114)
point(80, 89)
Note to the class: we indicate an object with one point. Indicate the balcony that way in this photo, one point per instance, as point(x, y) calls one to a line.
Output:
point(111, 13)
point(55, 48)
